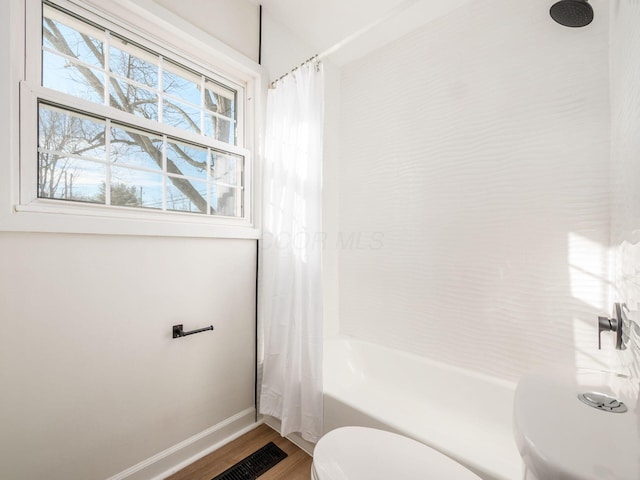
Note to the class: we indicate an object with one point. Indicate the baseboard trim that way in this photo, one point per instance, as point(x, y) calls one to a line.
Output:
point(295, 438)
point(193, 448)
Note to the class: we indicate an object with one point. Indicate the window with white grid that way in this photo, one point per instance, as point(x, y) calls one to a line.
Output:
point(123, 126)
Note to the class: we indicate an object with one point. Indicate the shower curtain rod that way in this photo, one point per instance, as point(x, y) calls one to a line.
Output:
point(308, 60)
point(349, 38)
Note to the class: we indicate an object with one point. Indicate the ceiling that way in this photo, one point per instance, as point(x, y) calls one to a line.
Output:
point(323, 24)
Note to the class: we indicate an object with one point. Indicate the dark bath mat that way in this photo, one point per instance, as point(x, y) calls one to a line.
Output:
point(254, 465)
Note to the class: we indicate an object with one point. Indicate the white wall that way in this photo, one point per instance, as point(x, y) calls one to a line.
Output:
point(474, 190)
point(233, 22)
point(625, 163)
point(92, 382)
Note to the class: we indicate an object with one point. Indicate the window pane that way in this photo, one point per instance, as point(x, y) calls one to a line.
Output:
point(225, 166)
point(223, 201)
point(135, 188)
point(67, 178)
point(78, 74)
point(219, 128)
point(133, 99)
point(70, 133)
point(186, 195)
point(181, 83)
point(133, 63)
point(187, 160)
point(135, 148)
point(220, 100)
point(181, 115)
point(70, 78)
point(72, 37)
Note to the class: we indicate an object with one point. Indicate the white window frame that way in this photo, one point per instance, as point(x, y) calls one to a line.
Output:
point(147, 24)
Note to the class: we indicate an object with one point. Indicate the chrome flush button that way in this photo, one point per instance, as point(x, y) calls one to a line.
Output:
point(602, 402)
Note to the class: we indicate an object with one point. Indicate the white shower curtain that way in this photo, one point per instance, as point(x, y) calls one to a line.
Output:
point(291, 254)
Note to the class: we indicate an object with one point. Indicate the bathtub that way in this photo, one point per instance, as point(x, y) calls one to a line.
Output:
point(462, 414)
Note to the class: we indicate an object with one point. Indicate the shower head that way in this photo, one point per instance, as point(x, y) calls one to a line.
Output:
point(572, 13)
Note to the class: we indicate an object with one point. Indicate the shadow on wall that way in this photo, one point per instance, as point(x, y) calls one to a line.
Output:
point(589, 269)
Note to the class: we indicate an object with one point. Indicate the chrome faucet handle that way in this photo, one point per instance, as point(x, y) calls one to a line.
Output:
point(606, 324)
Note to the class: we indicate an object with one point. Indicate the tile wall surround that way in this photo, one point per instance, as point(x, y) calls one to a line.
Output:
point(478, 148)
point(625, 168)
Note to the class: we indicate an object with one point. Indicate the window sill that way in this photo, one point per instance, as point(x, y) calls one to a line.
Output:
point(42, 216)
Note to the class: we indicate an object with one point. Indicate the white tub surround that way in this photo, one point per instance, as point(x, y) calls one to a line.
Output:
point(625, 169)
point(464, 415)
point(484, 173)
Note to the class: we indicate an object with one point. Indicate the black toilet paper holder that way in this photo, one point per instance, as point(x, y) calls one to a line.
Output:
point(178, 331)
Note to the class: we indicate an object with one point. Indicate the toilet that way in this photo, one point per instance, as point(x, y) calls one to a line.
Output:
point(362, 453)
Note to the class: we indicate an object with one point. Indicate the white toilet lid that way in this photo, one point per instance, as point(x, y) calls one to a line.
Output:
point(360, 453)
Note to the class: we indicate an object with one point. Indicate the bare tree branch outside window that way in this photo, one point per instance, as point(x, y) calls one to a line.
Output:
point(72, 160)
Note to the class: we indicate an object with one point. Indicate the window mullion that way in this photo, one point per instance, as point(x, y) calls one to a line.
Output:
point(209, 189)
point(107, 148)
point(160, 87)
point(202, 103)
point(165, 178)
point(240, 188)
point(107, 62)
